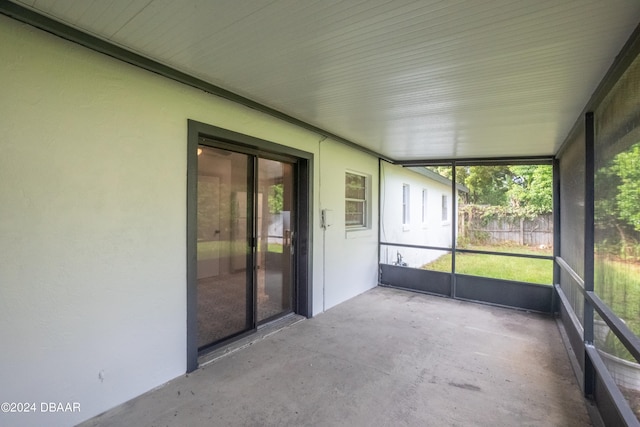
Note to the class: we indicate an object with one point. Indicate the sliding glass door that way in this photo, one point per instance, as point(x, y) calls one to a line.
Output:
point(245, 241)
point(225, 297)
point(276, 217)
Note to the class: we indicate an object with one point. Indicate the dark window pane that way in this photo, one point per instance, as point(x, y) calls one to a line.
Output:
point(354, 214)
point(355, 186)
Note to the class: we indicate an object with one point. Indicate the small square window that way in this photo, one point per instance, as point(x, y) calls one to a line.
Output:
point(356, 204)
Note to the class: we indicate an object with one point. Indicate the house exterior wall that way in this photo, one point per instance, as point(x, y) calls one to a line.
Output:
point(433, 231)
point(93, 222)
point(351, 265)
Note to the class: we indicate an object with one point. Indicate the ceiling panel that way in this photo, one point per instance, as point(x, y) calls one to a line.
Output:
point(408, 79)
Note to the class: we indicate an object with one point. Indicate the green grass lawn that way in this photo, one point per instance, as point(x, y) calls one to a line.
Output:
point(498, 267)
point(617, 283)
point(510, 248)
point(274, 247)
point(212, 249)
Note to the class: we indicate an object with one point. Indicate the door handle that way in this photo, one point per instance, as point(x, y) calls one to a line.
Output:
point(293, 240)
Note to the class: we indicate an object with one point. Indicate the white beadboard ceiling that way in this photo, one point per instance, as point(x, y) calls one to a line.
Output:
point(410, 80)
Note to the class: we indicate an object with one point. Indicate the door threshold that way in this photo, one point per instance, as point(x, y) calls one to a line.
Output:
point(262, 332)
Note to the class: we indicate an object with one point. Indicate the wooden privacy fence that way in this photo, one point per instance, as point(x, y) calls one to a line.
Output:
point(478, 229)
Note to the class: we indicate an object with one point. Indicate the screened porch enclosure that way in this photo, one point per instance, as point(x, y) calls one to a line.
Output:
point(473, 231)
point(572, 250)
point(437, 188)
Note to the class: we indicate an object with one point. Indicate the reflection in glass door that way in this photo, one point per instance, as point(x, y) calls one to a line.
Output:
point(275, 226)
point(239, 285)
point(224, 231)
point(248, 236)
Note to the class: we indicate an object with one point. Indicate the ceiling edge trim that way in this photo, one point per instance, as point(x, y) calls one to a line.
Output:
point(480, 161)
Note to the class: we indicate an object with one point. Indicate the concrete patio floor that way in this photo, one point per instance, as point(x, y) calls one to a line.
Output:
point(385, 358)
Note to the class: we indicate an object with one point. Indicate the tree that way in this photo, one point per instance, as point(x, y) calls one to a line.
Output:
point(626, 166)
point(524, 189)
point(617, 205)
point(531, 188)
point(275, 199)
point(606, 208)
point(488, 185)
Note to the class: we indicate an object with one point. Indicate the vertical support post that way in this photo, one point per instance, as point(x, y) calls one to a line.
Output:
point(303, 266)
point(589, 241)
point(192, 263)
point(557, 241)
point(380, 219)
point(454, 222)
point(252, 242)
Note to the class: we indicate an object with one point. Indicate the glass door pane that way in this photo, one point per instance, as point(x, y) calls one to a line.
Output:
point(224, 218)
point(276, 233)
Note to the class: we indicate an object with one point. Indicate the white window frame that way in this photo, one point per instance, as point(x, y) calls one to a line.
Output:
point(425, 206)
point(366, 205)
point(445, 208)
point(406, 206)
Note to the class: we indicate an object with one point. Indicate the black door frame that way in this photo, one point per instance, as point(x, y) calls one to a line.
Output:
point(304, 195)
point(292, 273)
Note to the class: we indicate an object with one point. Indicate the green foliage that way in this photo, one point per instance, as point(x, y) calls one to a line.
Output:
point(275, 247)
point(605, 206)
point(513, 248)
point(224, 248)
point(626, 166)
point(617, 227)
point(614, 346)
point(521, 191)
point(487, 185)
point(617, 283)
point(275, 199)
point(617, 205)
point(532, 188)
point(445, 171)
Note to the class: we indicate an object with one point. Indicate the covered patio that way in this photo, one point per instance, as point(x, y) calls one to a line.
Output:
point(386, 357)
point(212, 212)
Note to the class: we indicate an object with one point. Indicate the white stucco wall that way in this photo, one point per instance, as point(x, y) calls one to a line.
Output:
point(351, 265)
point(93, 223)
point(431, 232)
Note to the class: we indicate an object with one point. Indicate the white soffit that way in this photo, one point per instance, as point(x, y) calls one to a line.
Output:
point(408, 79)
